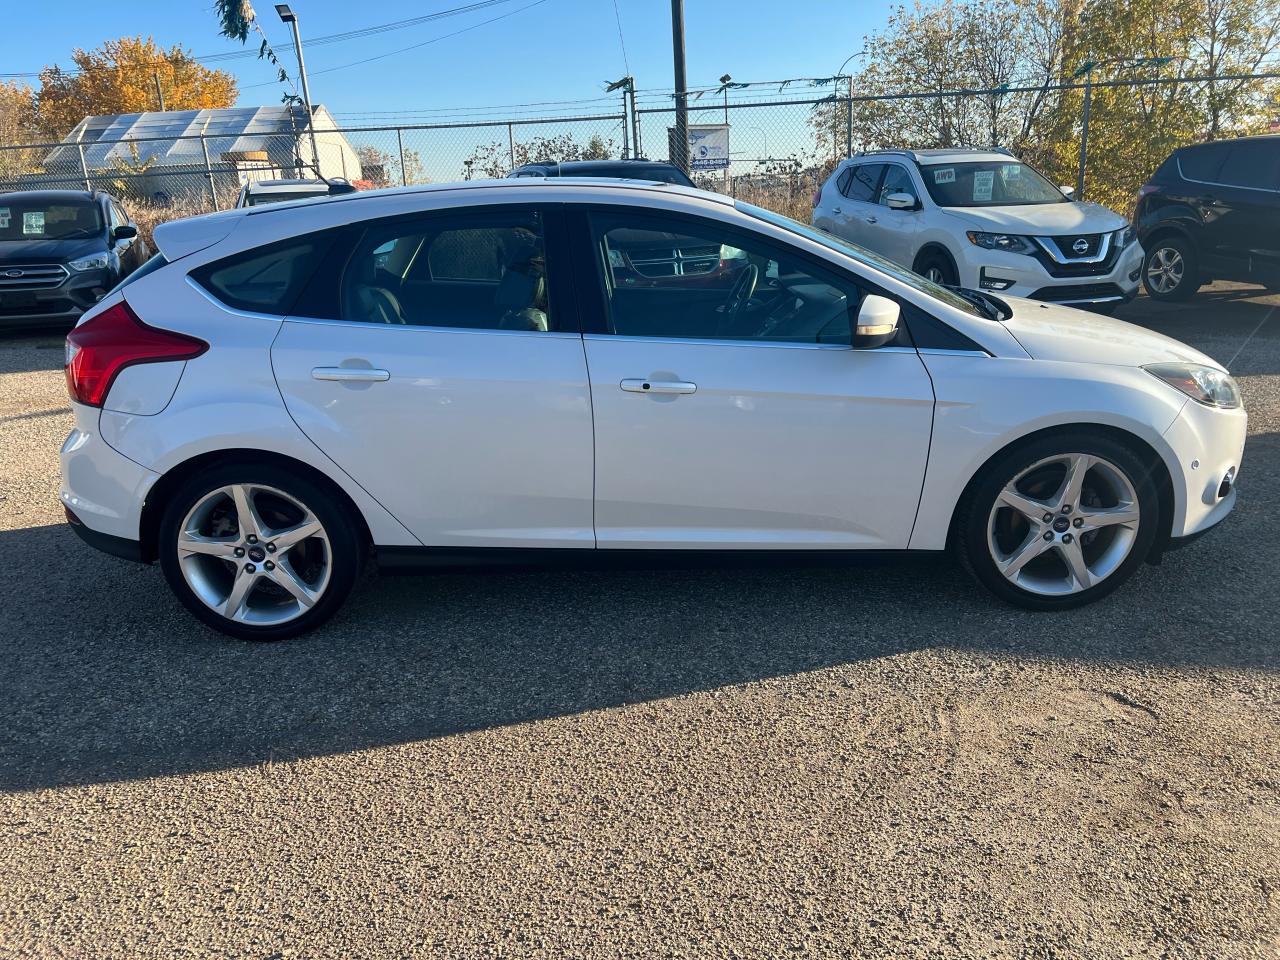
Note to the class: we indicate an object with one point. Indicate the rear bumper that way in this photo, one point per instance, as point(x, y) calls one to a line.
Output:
point(121, 547)
point(103, 488)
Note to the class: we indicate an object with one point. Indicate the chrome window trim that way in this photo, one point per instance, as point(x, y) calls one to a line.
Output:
point(726, 342)
point(1219, 183)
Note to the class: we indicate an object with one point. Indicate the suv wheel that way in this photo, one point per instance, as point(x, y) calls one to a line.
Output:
point(1058, 522)
point(938, 267)
point(257, 552)
point(1169, 270)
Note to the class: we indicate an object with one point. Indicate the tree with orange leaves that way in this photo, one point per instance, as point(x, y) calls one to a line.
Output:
point(120, 77)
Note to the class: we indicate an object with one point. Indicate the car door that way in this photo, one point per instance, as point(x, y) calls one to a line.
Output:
point(437, 360)
point(856, 213)
point(896, 230)
point(1249, 204)
point(742, 417)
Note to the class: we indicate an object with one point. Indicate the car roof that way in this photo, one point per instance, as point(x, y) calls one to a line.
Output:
point(254, 185)
point(1274, 137)
point(582, 166)
point(943, 155)
point(51, 196)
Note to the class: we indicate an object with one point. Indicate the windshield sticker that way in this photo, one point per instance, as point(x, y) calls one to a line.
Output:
point(945, 175)
point(33, 221)
point(1011, 171)
point(4, 218)
point(982, 182)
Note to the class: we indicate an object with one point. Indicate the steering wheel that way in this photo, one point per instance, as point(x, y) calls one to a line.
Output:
point(740, 294)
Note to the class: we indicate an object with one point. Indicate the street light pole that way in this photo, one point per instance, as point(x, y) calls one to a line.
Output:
point(291, 18)
point(680, 146)
point(724, 82)
point(1086, 70)
point(848, 105)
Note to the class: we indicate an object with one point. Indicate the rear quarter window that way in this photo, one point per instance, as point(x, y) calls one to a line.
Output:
point(1201, 163)
point(266, 279)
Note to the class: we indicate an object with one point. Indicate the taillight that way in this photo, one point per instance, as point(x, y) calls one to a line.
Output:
point(817, 197)
point(1148, 188)
point(100, 348)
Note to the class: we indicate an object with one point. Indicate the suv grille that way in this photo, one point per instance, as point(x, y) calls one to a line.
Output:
point(1077, 246)
point(31, 276)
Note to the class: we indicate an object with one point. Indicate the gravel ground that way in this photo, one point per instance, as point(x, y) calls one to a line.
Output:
point(870, 762)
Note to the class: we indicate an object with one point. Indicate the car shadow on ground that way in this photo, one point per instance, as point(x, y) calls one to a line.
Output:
point(106, 678)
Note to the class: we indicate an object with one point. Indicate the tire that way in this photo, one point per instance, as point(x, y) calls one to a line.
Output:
point(937, 266)
point(1116, 483)
point(206, 551)
point(1170, 269)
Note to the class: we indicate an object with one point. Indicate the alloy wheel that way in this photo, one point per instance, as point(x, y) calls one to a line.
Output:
point(1165, 270)
point(254, 554)
point(1064, 524)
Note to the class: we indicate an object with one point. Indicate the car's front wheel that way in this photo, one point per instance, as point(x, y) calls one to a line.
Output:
point(257, 552)
point(1059, 522)
point(1170, 270)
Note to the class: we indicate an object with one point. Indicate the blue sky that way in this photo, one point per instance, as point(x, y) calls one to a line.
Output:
point(556, 50)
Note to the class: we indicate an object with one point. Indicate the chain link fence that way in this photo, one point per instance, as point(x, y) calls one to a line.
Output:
point(780, 147)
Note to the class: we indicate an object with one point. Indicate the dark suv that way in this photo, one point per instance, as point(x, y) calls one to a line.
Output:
point(612, 169)
point(1211, 212)
point(60, 252)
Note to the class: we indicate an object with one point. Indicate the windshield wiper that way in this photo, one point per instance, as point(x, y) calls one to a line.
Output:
point(991, 308)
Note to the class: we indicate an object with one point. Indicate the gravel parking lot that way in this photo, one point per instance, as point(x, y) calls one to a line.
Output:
point(868, 762)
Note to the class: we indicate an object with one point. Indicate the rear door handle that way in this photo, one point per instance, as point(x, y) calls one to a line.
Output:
point(350, 374)
point(658, 386)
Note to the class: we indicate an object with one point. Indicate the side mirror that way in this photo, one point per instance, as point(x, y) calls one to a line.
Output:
point(900, 201)
point(126, 231)
point(877, 322)
point(1068, 192)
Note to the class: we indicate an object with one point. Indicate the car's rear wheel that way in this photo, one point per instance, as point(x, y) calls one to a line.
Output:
point(259, 553)
point(1170, 270)
point(1059, 522)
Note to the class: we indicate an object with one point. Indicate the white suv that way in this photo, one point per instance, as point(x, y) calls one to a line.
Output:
point(982, 219)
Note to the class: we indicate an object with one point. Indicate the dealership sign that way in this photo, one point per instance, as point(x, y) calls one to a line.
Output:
point(709, 146)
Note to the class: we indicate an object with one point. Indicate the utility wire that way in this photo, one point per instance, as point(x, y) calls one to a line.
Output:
point(622, 43)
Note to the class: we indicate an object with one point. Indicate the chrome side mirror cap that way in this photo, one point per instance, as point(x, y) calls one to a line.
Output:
point(1067, 191)
point(900, 201)
point(877, 322)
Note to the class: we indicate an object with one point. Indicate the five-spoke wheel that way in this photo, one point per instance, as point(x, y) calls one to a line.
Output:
point(257, 553)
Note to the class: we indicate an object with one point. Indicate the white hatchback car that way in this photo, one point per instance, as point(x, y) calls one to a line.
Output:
point(549, 369)
point(983, 220)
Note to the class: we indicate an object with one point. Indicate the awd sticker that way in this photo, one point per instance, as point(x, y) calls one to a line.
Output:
point(945, 175)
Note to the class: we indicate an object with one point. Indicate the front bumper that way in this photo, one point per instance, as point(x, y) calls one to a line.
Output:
point(60, 305)
point(1027, 277)
point(1208, 444)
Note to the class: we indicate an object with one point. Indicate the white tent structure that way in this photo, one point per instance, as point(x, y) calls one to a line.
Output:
point(231, 145)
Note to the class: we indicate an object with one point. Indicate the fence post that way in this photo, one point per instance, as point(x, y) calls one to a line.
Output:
point(848, 121)
point(208, 169)
point(404, 177)
point(1084, 136)
point(511, 145)
point(84, 169)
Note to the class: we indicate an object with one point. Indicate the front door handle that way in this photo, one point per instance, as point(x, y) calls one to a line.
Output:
point(658, 386)
point(872, 220)
point(350, 374)
point(835, 210)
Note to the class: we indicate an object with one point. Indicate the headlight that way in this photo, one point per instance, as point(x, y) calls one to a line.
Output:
point(1205, 385)
point(95, 261)
point(1125, 236)
point(999, 241)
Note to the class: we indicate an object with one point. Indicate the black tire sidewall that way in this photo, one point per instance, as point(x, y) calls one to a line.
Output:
point(942, 262)
point(1190, 282)
point(346, 547)
point(971, 533)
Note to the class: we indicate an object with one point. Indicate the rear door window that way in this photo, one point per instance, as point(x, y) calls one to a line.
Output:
point(265, 279)
point(862, 185)
point(1252, 163)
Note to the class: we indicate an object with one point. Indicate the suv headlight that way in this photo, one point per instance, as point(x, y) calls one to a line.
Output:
point(1007, 242)
point(1125, 236)
point(95, 261)
point(1206, 385)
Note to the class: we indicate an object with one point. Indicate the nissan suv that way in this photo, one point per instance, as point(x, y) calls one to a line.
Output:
point(984, 220)
point(61, 251)
point(1212, 211)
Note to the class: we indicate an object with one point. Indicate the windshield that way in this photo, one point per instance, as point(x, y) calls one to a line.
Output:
point(895, 270)
point(989, 183)
point(24, 219)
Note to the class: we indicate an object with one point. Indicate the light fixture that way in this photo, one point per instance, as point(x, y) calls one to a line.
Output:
point(286, 15)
